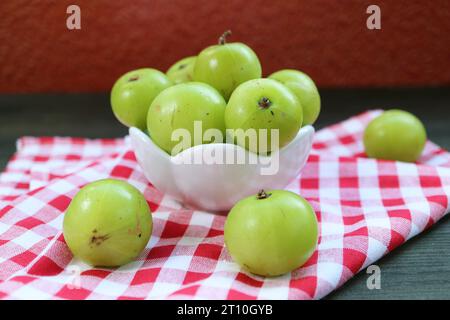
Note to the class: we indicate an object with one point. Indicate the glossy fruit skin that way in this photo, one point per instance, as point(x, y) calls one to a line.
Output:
point(178, 107)
point(244, 112)
point(182, 70)
point(395, 135)
point(226, 66)
point(108, 223)
point(133, 93)
point(272, 236)
point(304, 88)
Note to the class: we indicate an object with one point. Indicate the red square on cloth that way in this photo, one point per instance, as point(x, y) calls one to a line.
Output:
point(121, 172)
point(61, 203)
point(73, 293)
point(145, 276)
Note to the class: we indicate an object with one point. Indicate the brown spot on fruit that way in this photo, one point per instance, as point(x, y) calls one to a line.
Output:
point(98, 240)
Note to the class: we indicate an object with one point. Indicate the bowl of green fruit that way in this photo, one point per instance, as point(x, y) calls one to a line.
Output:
point(212, 131)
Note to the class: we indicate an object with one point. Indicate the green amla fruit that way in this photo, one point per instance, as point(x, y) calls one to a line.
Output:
point(271, 233)
point(263, 104)
point(305, 90)
point(177, 109)
point(133, 93)
point(108, 223)
point(182, 70)
point(226, 65)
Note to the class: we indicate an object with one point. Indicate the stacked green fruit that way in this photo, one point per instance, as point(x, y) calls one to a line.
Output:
point(274, 108)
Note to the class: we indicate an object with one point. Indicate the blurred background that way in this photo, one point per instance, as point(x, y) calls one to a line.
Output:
point(56, 81)
point(327, 39)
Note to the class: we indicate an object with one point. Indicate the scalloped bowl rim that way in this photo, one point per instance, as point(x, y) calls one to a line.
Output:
point(303, 131)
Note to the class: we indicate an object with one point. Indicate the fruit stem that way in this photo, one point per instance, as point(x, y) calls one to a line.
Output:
point(223, 37)
point(264, 103)
point(263, 195)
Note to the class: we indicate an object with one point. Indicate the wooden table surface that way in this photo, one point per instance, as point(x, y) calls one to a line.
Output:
point(419, 269)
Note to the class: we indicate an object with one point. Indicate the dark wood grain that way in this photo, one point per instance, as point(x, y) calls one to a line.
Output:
point(419, 269)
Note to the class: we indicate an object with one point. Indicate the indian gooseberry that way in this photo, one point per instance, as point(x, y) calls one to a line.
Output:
point(179, 107)
point(182, 70)
point(263, 104)
point(271, 233)
point(305, 90)
point(108, 223)
point(226, 65)
point(133, 93)
point(395, 135)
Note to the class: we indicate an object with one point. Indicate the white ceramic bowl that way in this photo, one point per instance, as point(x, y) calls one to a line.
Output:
point(218, 186)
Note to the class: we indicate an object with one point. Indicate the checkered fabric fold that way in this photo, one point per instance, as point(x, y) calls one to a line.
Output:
point(365, 207)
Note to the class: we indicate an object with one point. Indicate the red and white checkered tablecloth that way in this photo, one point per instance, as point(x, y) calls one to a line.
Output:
point(366, 208)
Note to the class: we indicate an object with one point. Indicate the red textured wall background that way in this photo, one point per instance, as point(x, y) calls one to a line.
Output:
point(326, 38)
